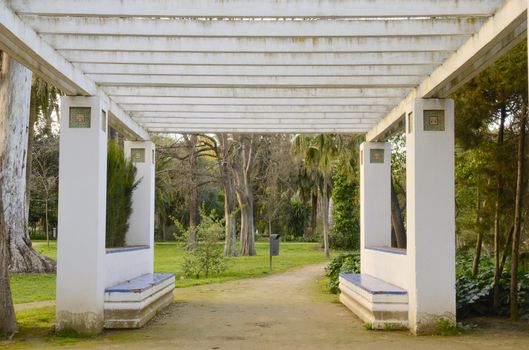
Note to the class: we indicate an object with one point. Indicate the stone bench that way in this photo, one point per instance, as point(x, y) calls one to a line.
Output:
point(377, 302)
point(133, 303)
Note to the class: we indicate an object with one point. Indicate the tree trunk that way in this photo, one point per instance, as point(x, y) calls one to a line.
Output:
point(326, 217)
point(506, 250)
point(497, 236)
point(517, 220)
point(8, 322)
point(230, 221)
point(193, 193)
point(230, 243)
point(479, 242)
point(314, 214)
point(15, 90)
point(396, 220)
point(33, 114)
point(247, 228)
point(243, 165)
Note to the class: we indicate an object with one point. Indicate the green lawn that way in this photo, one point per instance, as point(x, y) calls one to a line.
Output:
point(168, 257)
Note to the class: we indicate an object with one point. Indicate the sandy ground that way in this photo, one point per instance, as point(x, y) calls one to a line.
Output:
point(283, 311)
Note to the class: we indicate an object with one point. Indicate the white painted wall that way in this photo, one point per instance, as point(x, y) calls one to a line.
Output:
point(430, 217)
point(82, 218)
point(375, 196)
point(141, 229)
point(389, 267)
point(126, 265)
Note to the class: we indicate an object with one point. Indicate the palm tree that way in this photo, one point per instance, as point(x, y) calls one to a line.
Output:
point(319, 153)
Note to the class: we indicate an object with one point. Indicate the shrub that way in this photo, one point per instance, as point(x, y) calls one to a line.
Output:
point(295, 226)
point(121, 183)
point(343, 263)
point(345, 233)
point(474, 295)
point(208, 256)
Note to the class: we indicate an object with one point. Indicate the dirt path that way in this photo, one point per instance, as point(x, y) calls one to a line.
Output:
point(34, 305)
point(283, 311)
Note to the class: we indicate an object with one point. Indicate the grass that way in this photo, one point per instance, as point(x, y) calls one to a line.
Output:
point(168, 257)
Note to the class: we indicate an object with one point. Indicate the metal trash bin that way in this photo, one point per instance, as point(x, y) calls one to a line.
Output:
point(274, 244)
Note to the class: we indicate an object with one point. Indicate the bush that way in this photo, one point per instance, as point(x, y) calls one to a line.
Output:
point(343, 263)
point(296, 219)
point(208, 256)
point(474, 295)
point(345, 233)
point(121, 183)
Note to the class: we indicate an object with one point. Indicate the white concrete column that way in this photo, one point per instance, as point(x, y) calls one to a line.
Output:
point(141, 224)
point(375, 196)
point(430, 213)
point(82, 214)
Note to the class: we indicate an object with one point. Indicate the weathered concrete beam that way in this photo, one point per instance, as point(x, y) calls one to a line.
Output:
point(345, 101)
point(295, 44)
point(219, 70)
point(260, 9)
point(254, 92)
point(255, 28)
point(244, 58)
point(256, 81)
point(24, 44)
point(499, 34)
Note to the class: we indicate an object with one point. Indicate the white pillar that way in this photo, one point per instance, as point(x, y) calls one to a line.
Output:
point(430, 213)
point(82, 214)
point(141, 223)
point(375, 197)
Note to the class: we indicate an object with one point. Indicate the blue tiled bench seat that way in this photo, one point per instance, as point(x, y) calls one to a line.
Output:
point(373, 285)
point(133, 303)
point(140, 284)
point(374, 301)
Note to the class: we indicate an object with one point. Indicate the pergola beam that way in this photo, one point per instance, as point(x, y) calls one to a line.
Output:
point(24, 44)
point(272, 118)
point(243, 44)
point(251, 93)
point(256, 81)
point(191, 28)
point(272, 109)
point(259, 9)
point(363, 101)
point(500, 33)
point(209, 70)
point(257, 59)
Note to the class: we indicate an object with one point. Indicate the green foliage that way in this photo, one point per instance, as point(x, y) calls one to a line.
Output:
point(368, 326)
point(474, 295)
point(343, 263)
point(296, 219)
point(121, 183)
point(445, 327)
point(208, 256)
point(345, 232)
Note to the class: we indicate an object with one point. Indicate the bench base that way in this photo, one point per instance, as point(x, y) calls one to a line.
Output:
point(384, 308)
point(134, 307)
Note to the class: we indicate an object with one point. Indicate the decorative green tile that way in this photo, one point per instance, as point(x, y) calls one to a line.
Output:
point(104, 120)
point(376, 156)
point(80, 117)
point(434, 120)
point(137, 155)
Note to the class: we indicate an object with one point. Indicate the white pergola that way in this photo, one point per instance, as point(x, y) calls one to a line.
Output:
point(268, 66)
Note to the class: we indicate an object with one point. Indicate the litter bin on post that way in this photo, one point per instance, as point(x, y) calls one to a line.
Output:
point(274, 247)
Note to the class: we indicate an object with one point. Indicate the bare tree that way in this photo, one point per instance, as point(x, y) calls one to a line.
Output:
point(242, 170)
point(225, 159)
